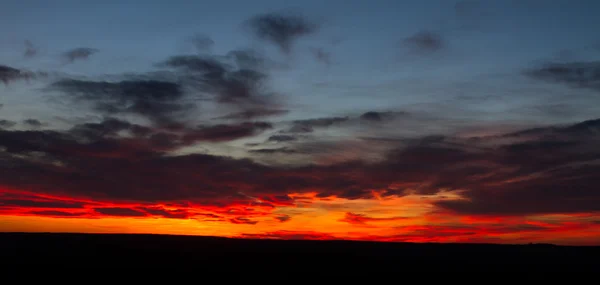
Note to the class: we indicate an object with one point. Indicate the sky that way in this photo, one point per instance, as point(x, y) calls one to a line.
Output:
point(412, 121)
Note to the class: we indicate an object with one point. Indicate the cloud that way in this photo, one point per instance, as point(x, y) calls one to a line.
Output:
point(7, 124)
point(161, 102)
point(30, 49)
point(201, 42)
point(281, 138)
point(558, 178)
point(109, 127)
point(574, 74)
point(321, 55)
point(81, 53)
point(116, 138)
point(537, 171)
point(308, 125)
point(24, 203)
point(281, 29)
point(273, 150)
point(237, 80)
point(242, 220)
point(371, 116)
point(241, 84)
point(223, 132)
point(300, 128)
point(59, 214)
point(424, 42)
point(248, 59)
point(40, 204)
point(283, 218)
point(201, 64)
point(125, 159)
point(118, 168)
point(32, 123)
point(172, 214)
point(166, 99)
point(375, 116)
point(254, 114)
point(9, 74)
point(120, 212)
point(362, 219)
point(46, 146)
point(489, 233)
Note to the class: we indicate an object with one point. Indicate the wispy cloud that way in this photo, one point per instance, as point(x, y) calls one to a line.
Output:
point(81, 53)
point(281, 29)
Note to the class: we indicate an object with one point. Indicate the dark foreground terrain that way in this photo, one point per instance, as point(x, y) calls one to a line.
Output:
point(110, 250)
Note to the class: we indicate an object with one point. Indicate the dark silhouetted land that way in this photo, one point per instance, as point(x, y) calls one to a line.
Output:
point(116, 250)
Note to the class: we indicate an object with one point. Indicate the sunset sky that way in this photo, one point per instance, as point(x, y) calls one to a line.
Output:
point(419, 121)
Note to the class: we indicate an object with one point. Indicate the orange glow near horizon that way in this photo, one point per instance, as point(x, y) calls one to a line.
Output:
point(412, 218)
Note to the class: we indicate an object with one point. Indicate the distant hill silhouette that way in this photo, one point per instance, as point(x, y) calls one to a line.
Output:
point(121, 250)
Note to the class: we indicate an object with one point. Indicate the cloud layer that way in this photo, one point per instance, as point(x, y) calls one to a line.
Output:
point(148, 154)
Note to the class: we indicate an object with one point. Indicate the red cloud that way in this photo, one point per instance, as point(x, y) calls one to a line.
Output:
point(361, 219)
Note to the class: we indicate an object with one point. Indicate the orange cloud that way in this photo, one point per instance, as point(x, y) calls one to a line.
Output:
point(411, 218)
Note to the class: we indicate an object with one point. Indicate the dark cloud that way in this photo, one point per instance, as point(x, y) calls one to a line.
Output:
point(166, 99)
point(375, 116)
point(120, 212)
point(243, 220)
point(281, 138)
point(248, 59)
point(32, 123)
point(115, 168)
point(574, 74)
point(201, 42)
point(60, 214)
point(321, 122)
point(547, 170)
point(550, 172)
point(30, 49)
point(255, 113)
point(273, 150)
point(300, 128)
point(218, 133)
point(424, 42)
point(240, 84)
point(160, 101)
point(47, 145)
point(40, 204)
point(554, 133)
point(81, 53)
point(117, 139)
point(362, 219)
point(30, 141)
point(201, 64)
point(281, 29)
point(7, 124)
point(283, 218)
point(172, 214)
point(90, 139)
point(371, 116)
point(321, 55)
point(109, 127)
point(307, 126)
point(9, 74)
